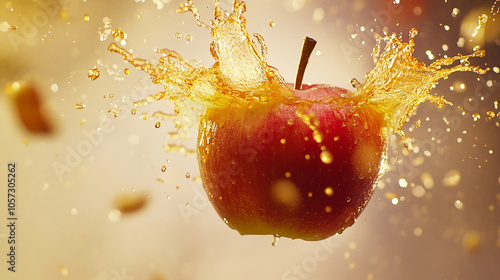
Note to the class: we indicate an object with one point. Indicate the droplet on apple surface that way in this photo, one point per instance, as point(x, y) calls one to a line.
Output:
point(276, 239)
point(297, 163)
point(329, 191)
point(326, 157)
point(286, 193)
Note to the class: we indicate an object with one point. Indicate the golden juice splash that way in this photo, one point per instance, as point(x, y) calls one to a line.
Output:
point(399, 82)
point(395, 87)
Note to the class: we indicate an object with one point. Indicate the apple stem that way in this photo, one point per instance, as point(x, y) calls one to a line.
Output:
point(307, 48)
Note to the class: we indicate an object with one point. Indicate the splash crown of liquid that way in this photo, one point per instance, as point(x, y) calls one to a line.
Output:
point(395, 87)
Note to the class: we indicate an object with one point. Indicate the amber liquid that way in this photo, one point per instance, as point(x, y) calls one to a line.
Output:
point(395, 87)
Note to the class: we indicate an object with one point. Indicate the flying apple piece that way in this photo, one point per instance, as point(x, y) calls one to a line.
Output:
point(29, 106)
point(298, 163)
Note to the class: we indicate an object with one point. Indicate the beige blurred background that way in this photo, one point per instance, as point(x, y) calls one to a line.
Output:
point(435, 216)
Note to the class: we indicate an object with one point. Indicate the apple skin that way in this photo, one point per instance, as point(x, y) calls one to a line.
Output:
point(261, 184)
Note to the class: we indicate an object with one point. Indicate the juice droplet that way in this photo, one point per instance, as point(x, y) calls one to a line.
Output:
point(86, 18)
point(114, 215)
point(188, 175)
point(180, 149)
point(492, 11)
point(63, 270)
point(163, 168)
point(476, 116)
point(491, 114)
point(103, 34)
point(94, 73)
point(482, 19)
point(80, 106)
point(272, 23)
point(119, 35)
point(427, 180)
point(329, 191)
point(418, 123)
point(355, 83)
point(313, 123)
point(452, 178)
point(391, 195)
point(403, 183)
point(263, 47)
point(158, 124)
point(326, 157)
point(197, 179)
point(276, 240)
point(471, 240)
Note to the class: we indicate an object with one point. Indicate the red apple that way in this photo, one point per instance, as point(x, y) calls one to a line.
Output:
point(265, 173)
